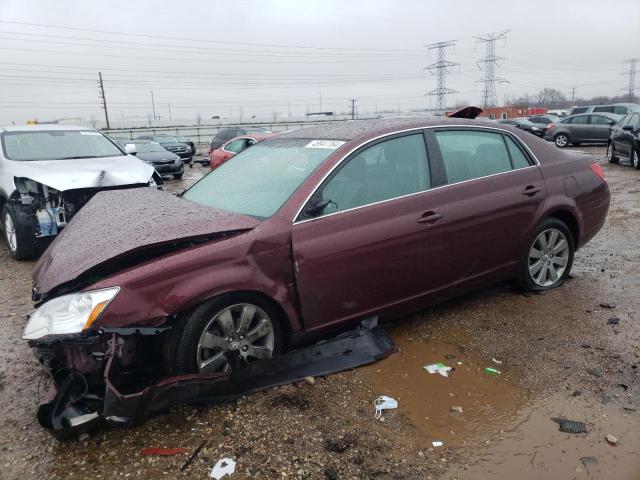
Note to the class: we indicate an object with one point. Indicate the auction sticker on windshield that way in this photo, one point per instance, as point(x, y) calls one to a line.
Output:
point(332, 144)
point(90, 133)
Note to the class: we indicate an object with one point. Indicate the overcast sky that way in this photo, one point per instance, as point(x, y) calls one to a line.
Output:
point(272, 57)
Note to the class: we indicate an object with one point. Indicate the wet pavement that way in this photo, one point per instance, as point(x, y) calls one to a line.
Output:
point(557, 354)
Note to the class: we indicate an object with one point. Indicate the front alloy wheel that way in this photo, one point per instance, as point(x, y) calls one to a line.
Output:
point(611, 157)
point(10, 233)
point(244, 328)
point(548, 257)
point(561, 140)
point(635, 159)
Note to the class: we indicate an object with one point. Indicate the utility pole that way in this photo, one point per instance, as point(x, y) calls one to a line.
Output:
point(573, 95)
point(169, 111)
point(353, 107)
point(104, 100)
point(153, 105)
point(489, 64)
point(633, 62)
point(320, 96)
point(440, 69)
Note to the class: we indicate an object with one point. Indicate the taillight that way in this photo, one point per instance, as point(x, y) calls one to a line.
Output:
point(550, 126)
point(597, 169)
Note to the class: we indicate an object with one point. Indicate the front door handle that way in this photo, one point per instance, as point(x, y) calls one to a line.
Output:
point(530, 191)
point(429, 218)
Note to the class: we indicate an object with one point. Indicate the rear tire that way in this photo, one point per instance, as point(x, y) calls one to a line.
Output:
point(19, 237)
point(635, 159)
point(200, 338)
point(549, 256)
point(611, 156)
point(561, 140)
point(177, 176)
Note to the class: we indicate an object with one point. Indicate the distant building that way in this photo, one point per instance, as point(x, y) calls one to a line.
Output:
point(502, 113)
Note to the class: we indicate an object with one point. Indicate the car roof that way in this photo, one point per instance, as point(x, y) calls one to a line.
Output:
point(353, 129)
point(42, 127)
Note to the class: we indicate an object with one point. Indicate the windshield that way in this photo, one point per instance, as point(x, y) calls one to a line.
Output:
point(260, 179)
point(149, 147)
point(57, 145)
point(165, 140)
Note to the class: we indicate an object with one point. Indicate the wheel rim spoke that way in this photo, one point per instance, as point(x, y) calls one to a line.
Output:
point(225, 320)
point(213, 364)
point(535, 253)
point(535, 268)
point(211, 340)
point(260, 353)
point(560, 261)
point(263, 328)
point(553, 273)
point(560, 246)
point(543, 241)
point(548, 257)
point(246, 316)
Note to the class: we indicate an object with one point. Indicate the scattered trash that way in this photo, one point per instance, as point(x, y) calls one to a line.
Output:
point(164, 452)
point(225, 466)
point(437, 443)
point(449, 356)
point(588, 461)
point(193, 456)
point(613, 321)
point(596, 372)
point(310, 380)
point(495, 360)
point(576, 393)
point(630, 409)
point(330, 473)
point(571, 426)
point(492, 371)
point(440, 368)
point(611, 439)
point(586, 345)
point(624, 386)
point(608, 305)
point(456, 408)
point(384, 403)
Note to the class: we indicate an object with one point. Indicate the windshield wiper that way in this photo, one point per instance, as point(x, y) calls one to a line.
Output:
point(76, 158)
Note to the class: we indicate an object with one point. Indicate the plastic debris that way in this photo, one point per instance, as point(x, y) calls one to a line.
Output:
point(440, 368)
point(611, 440)
point(437, 443)
point(225, 466)
point(456, 409)
point(586, 461)
point(495, 360)
point(608, 305)
point(164, 452)
point(613, 321)
point(571, 426)
point(492, 371)
point(384, 403)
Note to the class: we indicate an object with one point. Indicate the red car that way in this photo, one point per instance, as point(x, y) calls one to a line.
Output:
point(298, 237)
point(234, 146)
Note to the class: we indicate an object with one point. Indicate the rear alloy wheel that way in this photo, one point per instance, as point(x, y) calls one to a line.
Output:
point(561, 140)
point(549, 258)
point(242, 326)
point(611, 157)
point(20, 239)
point(635, 159)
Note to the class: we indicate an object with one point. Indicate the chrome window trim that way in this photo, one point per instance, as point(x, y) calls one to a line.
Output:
point(344, 157)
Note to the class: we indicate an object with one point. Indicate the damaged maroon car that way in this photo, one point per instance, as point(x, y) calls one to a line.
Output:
point(146, 297)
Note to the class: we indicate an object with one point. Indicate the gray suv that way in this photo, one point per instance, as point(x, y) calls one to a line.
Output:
point(49, 172)
point(581, 128)
point(616, 108)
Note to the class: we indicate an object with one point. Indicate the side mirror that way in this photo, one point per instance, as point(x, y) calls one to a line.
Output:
point(628, 128)
point(316, 207)
point(611, 123)
point(130, 148)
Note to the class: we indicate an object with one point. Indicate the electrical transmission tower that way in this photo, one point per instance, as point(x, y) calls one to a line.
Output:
point(633, 62)
point(440, 70)
point(489, 64)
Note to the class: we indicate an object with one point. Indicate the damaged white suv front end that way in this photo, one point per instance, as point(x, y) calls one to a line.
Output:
point(49, 172)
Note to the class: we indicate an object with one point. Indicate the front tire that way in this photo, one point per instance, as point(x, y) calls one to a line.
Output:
point(611, 156)
point(561, 140)
point(239, 324)
point(19, 237)
point(635, 159)
point(549, 257)
point(177, 176)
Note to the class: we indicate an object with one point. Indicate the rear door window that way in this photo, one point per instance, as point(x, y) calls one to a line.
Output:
point(469, 154)
point(620, 109)
point(607, 109)
point(236, 146)
point(599, 120)
point(579, 110)
point(518, 158)
point(581, 120)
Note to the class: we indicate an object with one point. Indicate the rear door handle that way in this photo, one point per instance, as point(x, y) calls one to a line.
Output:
point(530, 191)
point(429, 218)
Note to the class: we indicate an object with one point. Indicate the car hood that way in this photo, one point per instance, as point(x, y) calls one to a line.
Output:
point(85, 172)
point(157, 156)
point(117, 224)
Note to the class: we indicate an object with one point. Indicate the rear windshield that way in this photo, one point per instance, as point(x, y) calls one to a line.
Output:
point(57, 145)
point(260, 179)
point(149, 147)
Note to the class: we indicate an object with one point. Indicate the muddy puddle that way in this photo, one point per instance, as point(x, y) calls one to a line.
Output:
point(495, 427)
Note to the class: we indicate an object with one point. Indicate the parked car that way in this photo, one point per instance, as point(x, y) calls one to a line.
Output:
point(544, 120)
point(49, 172)
point(226, 134)
point(164, 161)
point(616, 108)
point(526, 125)
point(624, 140)
point(561, 113)
point(233, 147)
point(173, 145)
point(581, 128)
point(293, 239)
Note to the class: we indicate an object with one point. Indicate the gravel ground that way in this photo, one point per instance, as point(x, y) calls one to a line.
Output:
point(558, 353)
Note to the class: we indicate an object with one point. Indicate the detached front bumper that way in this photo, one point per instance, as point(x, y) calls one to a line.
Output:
point(101, 379)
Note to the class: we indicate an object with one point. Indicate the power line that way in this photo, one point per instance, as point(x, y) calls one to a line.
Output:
point(631, 89)
point(489, 63)
point(440, 69)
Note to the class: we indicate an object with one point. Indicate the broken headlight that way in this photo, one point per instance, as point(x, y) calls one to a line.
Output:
point(68, 314)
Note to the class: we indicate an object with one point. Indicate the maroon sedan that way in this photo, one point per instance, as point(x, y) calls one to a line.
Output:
point(296, 238)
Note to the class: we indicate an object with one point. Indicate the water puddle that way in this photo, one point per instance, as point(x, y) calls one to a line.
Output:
point(489, 403)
